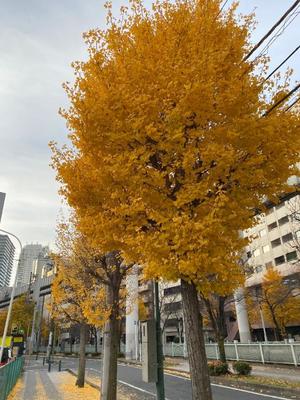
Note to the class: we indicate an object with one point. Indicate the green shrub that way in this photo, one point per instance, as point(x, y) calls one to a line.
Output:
point(242, 368)
point(217, 368)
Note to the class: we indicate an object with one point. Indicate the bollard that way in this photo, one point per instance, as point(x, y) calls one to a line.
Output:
point(44, 358)
point(59, 365)
point(37, 356)
point(49, 365)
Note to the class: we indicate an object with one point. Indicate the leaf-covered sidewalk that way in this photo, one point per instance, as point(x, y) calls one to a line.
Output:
point(38, 384)
point(41, 385)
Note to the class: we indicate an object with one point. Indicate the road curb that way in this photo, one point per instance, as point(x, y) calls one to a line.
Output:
point(93, 385)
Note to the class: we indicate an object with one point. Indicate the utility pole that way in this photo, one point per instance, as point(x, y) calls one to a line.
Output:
point(261, 313)
point(263, 323)
point(11, 297)
point(160, 385)
point(40, 325)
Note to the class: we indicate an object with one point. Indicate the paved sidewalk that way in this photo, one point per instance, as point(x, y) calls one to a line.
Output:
point(36, 383)
point(41, 385)
point(287, 372)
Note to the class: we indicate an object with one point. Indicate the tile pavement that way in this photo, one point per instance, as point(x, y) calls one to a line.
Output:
point(41, 385)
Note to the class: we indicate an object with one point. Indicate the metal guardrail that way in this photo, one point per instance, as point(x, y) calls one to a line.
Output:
point(277, 353)
point(272, 352)
point(9, 374)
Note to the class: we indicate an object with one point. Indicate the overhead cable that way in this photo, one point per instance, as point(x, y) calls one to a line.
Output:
point(278, 23)
point(283, 99)
point(282, 29)
point(293, 103)
point(283, 62)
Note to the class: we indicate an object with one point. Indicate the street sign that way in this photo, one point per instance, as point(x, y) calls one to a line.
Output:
point(2, 198)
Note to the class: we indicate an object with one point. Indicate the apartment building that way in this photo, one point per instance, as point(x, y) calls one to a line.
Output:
point(275, 240)
point(275, 243)
point(7, 252)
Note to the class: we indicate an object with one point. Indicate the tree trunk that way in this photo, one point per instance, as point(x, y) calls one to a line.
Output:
point(222, 331)
point(201, 389)
point(110, 355)
point(96, 342)
point(221, 346)
point(277, 331)
point(81, 365)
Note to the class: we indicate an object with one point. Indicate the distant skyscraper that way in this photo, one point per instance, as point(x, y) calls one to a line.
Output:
point(7, 252)
point(28, 260)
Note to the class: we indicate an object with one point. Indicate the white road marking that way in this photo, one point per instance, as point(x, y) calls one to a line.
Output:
point(96, 370)
point(249, 391)
point(131, 386)
point(137, 388)
point(212, 384)
point(233, 388)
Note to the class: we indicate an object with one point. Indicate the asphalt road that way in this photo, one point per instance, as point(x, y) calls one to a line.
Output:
point(177, 388)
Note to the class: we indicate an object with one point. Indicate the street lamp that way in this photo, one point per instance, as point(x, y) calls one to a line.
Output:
point(11, 297)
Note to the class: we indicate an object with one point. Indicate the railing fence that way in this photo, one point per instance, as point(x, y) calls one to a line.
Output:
point(279, 353)
point(9, 374)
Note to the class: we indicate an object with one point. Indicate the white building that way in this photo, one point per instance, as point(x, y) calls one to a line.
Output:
point(7, 252)
point(28, 263)
point(274, 242)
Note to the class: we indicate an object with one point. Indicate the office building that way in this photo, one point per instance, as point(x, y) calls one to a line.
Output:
point(29, 263)
point(7, 252)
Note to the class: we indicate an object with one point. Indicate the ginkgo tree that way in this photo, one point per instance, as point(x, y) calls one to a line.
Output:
point(77, 295)
point(22, 314)
point(173, 147)
point(219, 299)
point(279, 299)
point(90, 289)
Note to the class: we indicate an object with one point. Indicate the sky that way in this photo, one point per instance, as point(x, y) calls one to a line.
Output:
point(38, 41)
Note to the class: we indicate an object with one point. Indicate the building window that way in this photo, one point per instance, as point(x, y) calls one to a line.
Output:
point(269, 265)
point(287, 238)
point(172, 290)
point(276, 243)
point(291, 256)
point(263, 232)
point(283, 220)
point(173, 307)
point(258, 268)
point(295, 216)
point(272, 226)
point(256, 252)
point(266, 248)
point(279, 260)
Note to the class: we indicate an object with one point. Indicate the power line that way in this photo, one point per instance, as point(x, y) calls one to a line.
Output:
point(283, 62)
point(224, 5)
point(289, 94)
point(265, 37)
point(293, 103)
point(286, 24)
